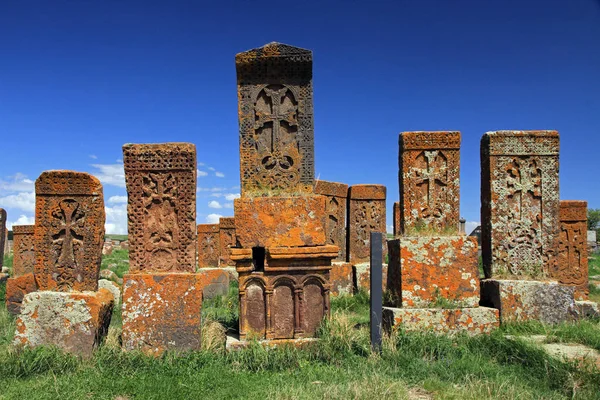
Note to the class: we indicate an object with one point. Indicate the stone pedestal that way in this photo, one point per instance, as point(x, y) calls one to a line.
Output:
point(76, 322)
point(16, 289)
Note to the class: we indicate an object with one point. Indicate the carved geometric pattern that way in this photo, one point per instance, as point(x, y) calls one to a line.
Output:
point(366, 215)
point(23, 250)
point(227, 240)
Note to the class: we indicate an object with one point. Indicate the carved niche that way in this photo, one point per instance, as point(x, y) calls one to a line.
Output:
point(23, 250)
point(161, 187)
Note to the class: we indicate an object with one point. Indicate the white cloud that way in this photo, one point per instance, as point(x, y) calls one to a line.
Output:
point(232, 196)
point(201, 173)
point(110, 174)
point(211, 168)
point(219, 174)
point(116, 219)
point(17, 183)
point(214, 204)
point(117, 199)
point(213, 218)
point(470, 225)
point(24, 201)
point(201, 164)
point(389, 228)
point(212, 189)
point(22, 220)
point(228, 205)
point(93, 156)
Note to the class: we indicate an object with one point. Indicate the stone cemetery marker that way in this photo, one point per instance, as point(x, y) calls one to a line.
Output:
point(336, 209)
point(23, 250)
point(226, 240)
point(572, 263)
point(3, 234)
point(208, 245)
point(366, 215)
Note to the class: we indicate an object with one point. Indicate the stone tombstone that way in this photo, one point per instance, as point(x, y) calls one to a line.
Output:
point(429, 173)
point(275, 109)
point(161, 187)
point(69, 231)
point(366, 214)
point(227, 240)
point(3, 234)
point(336, 209)
point(24, 250)
point(519, 203)
point(396, 217)
point(572, 260)
point(208, 245)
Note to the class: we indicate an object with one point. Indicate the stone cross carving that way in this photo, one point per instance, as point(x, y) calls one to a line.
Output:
point(68, 224)
point(572, 259)
point(524, 184)
point(434, 176)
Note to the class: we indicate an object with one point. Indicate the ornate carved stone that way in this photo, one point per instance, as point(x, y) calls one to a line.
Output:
point(336, 209)
point(429, 180)
point(227, 240)
point(69, 231)
point(2, 234)
point(208, 245)
point(572, 264)
point(23, 250)
point(276, 119)
point(520, 203)
point(161, 187)
point(366, 215)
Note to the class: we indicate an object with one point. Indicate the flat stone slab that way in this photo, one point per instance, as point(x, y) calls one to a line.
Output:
point(563, 351)
point(472, 320)
point(214, 282)
point(16, 289)
point(234, 343)
point(588, 309)
point(341, 278)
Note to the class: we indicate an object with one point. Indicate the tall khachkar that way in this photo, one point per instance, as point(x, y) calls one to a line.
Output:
point(161, 286)
point(282, 259)
point(22, 280)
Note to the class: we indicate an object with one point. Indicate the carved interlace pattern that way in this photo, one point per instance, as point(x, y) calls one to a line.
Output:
point(367, 217)
point(431, 174)
point(24, 250)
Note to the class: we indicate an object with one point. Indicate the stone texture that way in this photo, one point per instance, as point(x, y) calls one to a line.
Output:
point(587, 309)
point(23, 250)
point(275, 110)
point(16, 289)
point(69, 231)
point(161, 188)
point(396, 217)
point(571, 267)
point(429, 176)
point(161, 312)
point(75, 322)
point(208, 245)
point(280, 221)
point(213, 282)
point(227, 239)
point(113, 288)
point(472, 321)
point(111, 276)
point(3, 234)
point(341, 279)
point(336, 209)
point(366, 214)
point(520, 203)
point(518, 300)
point(425, 270)
point(362, 277)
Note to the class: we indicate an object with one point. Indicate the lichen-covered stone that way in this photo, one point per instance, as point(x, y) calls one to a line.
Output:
point(16, 289)
point(587, 309)
point(362, 273)
point(76, 322)
point(336, 208)
point(161, 312)
point(213, 282)
point(227, 240)
point(472, 321)
point(340, 277)
point(23, 250)
point(519, 300)
point(366, 214)
point(113, 288)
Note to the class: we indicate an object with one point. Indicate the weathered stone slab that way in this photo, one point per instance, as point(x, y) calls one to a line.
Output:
point(366, 215)
point(161, 312)
point(427, 270)
point(208, 245)
point(587, 309)
point(3, 234)
point(396, 217)
point(23, 250)
point(161, 187)
point(472, 321)
point(227, 239)
point(429, 181)
point(571, 267)
point(362, 276)
point(341, 279)
point(113, 288)
point(336, 209)
point(213, 282)
point(280, 221)
point(518, 300)
point(69, 231)
point(76, 322)
point(520, 203)
point(16, 289)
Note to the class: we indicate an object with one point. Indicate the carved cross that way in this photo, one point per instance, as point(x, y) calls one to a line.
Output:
point(523, 180)
point(69, 223)
point(278, 114)
point(569, 246)
point(434, 176)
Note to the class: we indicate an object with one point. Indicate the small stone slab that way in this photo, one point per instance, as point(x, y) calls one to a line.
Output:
point(588, 309)
point(362, 275)
point(214, 282)
point(113, 288)
point(341, 278)
point(16, 289)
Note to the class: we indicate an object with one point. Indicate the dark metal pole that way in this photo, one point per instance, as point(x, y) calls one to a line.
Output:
point(376, 289)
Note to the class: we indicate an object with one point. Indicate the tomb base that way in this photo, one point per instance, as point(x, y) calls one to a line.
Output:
point(520, 300)
point(16, 289)
point(76, 322)
point(471, 320)
point(161, 311)
point(214, 282)
point(341, 278)
point(362, 277)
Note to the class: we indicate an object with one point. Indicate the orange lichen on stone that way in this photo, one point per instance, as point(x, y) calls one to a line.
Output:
point(16, 289)
point(336, 208)
point(227, 240)
point(340, 277)
point(366, 215)
point(23, 250)
point(208, 245)
point(280, 221)
point(162, 312)
point(213, 282)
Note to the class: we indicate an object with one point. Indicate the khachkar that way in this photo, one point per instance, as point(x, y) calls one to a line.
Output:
point(433, 271)
point(282, 257)
point(520, 226)
point(162, 295)
point(336, 208)
point(208, 245)
point(22, 280)
point(2, 234)
point(571, 267)
point(226, 240)
point(68, 311)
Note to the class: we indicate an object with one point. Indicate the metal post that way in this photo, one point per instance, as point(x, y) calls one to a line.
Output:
point(376, 289)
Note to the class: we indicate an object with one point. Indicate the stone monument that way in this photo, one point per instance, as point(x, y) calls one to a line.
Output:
point(22, 280)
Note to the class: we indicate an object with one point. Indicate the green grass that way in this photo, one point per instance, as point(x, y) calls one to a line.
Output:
point(594, 264)
point(120, 238)
point(117, 261)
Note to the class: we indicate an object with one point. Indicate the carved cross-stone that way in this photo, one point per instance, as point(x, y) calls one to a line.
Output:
point(67, 238)
point(278, 113)
point(524, 183)
point(434, 176)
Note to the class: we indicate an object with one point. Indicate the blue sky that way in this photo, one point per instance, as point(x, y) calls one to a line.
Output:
point(78, 79)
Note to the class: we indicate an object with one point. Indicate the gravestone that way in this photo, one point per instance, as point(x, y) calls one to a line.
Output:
point(3, 235)
point(162, 296)
point(336, 209)
point(208, 245)
point(22, 280)
point(572, 264)
point(366, 214)
point(226, 240)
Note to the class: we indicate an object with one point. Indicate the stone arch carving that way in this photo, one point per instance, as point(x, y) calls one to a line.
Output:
point(254, 307)
point(284, 319)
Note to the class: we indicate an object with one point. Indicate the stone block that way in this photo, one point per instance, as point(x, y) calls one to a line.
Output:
point(16, 289)
point(366, 214)
point(161, 312)
point(362, 276)
point(587, 309)
point(75, 322)
point(213, 282)
point(341, 279)
point(23, 250)
point(113, 288)
point(519, 300)
point(227, 240)
point(208, 245)
point(425, 270)
point(336, 208)
point(280, 221)
point(472, 321)
point(571, 267)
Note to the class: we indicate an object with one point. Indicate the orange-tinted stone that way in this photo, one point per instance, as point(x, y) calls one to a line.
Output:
point(161, 312)
point(227, 240)
point(208, 245)
point(571, 267)
point(76, 322)
point(340, 278)
point(397, 218)
point(336, 209)
point(161, 188)
point(16, 289)
point(366, 215)
point(3, 234)
point(213, 282)
point(362, 273)
point(23, 250)
point(280, 221)
point(69, 231)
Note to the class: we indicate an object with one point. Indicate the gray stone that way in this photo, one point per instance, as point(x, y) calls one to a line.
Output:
point(588, 309)
point(113, 288)
point(111, 276)
point(591, 236)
